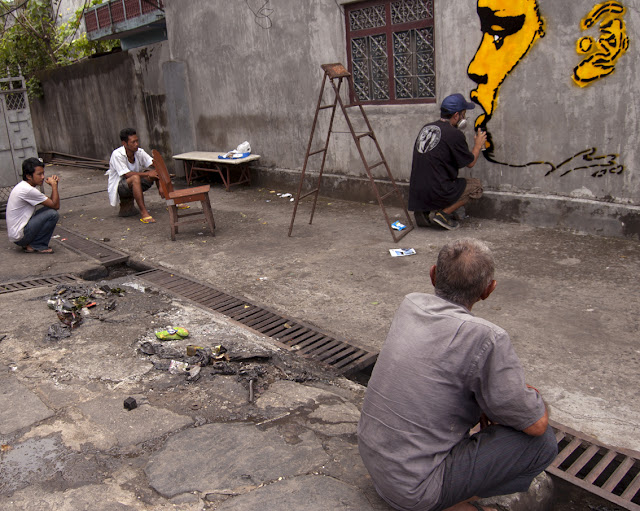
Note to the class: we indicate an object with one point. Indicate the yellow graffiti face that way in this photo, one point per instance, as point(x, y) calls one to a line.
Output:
point(610, 46)
point(509, 29)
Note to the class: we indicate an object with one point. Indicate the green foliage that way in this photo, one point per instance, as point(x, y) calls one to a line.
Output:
point(32, 38)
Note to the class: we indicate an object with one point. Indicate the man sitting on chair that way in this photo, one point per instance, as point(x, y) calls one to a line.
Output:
point(127, 177)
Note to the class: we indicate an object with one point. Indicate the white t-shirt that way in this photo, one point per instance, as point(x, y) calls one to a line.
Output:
point(119, 165)
point(20, 208)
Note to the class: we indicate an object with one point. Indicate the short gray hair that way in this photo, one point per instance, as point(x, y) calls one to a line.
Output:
point(464, 270)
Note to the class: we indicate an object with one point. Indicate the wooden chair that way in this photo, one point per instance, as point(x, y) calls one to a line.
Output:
point(175, 197)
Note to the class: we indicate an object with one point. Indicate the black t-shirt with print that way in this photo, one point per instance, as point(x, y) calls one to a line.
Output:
point(440, 150)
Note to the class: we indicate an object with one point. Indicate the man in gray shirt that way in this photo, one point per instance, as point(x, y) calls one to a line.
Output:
point(440, 372)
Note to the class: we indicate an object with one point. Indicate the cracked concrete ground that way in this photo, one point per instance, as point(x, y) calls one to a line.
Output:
point(569, 302)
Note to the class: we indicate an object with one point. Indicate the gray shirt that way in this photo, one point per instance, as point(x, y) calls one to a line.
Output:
point(439, 369)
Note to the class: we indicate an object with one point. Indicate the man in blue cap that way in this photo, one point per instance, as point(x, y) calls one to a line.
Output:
point(435, 190)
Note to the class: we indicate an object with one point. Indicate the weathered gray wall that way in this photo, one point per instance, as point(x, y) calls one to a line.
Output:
point(245, 77)
point(85, 105)
point(261, 84)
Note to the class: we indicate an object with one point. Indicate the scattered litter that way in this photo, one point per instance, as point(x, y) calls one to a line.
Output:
point(398, 226)
point(57, 332)
point(194, 373)
point(130, 403)
point(238, 356)
point(56, 236)
point(222, 367)
point(219, 352)
point(291, 199)
point(375, 303)
point(267, 201)
point(135, 286)
point(2, 337)
point(105, 239)
point(176, 367)
point(191, 349)
point(263, 278)
point(285, 195)
point(5, 447)
point(147, 348)
point(172, 333)
point(399, 252)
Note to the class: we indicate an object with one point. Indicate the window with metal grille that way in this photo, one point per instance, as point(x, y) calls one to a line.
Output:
point(16, 101)
point(391, 51)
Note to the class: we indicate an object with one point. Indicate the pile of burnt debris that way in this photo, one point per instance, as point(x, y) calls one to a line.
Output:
point(192, 359)
point(73, 303)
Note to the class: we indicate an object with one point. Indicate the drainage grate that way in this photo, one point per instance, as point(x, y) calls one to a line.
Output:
point(21, 285)
point(294, 335)
point(106, 255)
point(611, 473)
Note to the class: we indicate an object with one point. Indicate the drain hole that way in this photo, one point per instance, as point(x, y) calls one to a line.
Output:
point(111, 272)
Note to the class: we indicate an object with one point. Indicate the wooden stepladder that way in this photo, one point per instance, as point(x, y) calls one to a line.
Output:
point(337, 73)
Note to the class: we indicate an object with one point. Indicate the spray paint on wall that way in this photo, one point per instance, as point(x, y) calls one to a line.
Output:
point(602, 53)
point(510, 28)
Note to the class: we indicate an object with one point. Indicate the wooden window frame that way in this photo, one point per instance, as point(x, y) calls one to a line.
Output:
point(388, 30)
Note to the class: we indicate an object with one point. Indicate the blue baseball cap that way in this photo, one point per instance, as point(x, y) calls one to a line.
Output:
point(456, 103)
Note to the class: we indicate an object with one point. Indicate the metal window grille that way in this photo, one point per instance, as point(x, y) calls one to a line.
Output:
point(391, 50)
point(16, 101)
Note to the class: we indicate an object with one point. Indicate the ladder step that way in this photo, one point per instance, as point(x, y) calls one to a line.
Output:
point(388, 194)
point(367, 134)
point(325, 106)
point(351, 105)
point(381, 162)
point(316, 152)
point(315, 190)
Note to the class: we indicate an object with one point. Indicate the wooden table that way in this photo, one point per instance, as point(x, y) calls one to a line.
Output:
point(197, 162)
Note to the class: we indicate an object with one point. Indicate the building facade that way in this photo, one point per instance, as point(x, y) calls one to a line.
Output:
point(554, 82)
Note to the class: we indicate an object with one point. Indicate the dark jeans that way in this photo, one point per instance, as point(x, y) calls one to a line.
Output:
point(495, 461)
point(39, 229)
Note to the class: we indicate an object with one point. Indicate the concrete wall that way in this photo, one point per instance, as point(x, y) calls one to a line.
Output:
point(230, 73)
point(258, 79)
point(85, 105)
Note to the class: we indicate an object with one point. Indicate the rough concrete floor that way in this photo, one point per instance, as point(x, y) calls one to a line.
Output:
point(569, 301)
point(68, 443)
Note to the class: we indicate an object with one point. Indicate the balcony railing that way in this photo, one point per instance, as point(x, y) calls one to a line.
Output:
point(103, 18)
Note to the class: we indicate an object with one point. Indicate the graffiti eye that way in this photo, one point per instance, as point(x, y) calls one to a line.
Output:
point(498, 41)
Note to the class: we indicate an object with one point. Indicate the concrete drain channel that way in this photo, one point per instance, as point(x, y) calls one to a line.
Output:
point(296, 336)
point(609, 472)
point(305, 340)
point(21, 285)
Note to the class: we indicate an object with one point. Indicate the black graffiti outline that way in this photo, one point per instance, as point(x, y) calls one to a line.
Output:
point(610, 166)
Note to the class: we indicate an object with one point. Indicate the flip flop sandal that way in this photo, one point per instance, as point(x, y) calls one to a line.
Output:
point(147, 220)
point(172, 334)
point(28, 250)
point(45, 251)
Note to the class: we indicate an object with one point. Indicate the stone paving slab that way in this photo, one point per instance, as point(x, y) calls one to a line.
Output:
point(311, 493)
point(30, 410)
point(230, 458)
point(128, 428)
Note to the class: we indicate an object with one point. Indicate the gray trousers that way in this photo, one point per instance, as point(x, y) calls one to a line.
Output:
point(495, 461)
